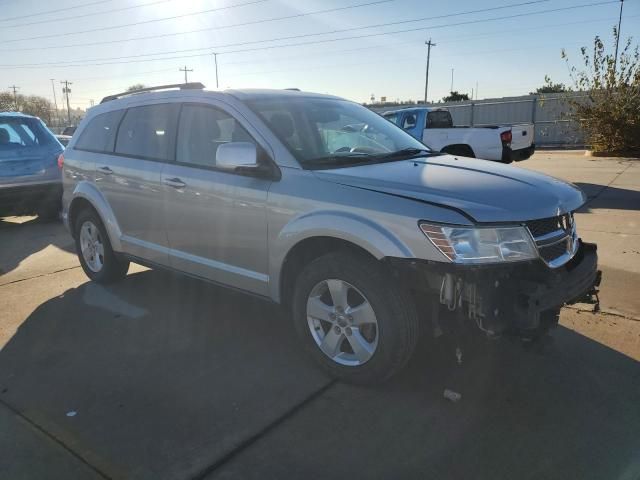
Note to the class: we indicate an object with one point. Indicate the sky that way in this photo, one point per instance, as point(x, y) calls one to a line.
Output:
point(352, 48)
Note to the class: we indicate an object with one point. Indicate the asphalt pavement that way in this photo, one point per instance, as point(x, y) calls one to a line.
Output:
point(165, 377)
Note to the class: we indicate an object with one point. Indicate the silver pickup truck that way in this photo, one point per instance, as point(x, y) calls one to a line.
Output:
point(363, 235)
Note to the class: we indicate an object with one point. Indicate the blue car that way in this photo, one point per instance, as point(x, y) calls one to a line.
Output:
point(30, 177)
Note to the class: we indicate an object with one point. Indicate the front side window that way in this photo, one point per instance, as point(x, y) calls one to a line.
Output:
point(202, 130)
point(409, 121)
point(100, 134)
point(148, 132)
point(325, 133)
point(392, 117)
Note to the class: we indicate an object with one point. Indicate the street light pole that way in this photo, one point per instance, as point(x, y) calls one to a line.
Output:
point(426, 80)
point(615, 61)
point(215, 60)
point(55, 102)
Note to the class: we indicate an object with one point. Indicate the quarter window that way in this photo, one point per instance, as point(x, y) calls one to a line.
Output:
point(148, 131)
point(100, 134)
point(202, 130)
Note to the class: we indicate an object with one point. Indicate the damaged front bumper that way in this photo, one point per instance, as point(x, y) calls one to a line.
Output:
point(518, 298)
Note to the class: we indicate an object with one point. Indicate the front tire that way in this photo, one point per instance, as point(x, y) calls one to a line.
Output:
point(352, 319)
point(93, 247)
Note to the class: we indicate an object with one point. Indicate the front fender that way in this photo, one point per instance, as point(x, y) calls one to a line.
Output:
point(88, 191)
point(369, 235)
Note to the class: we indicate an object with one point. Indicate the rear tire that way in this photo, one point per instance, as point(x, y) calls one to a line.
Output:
point(365, 336)
point(96, 256)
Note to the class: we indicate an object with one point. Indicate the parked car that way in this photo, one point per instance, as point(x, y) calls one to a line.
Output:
point(64, 139)
point(360, 232)
point(434, 126)
point(30, 180)
point(69, 131)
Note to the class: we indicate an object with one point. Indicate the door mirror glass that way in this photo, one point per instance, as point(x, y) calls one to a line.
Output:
point(234, 155)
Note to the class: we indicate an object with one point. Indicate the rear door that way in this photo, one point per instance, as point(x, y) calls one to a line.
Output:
point(130, 179)
point(216, 220)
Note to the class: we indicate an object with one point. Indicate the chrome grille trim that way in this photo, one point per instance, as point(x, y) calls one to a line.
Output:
point(550, 233)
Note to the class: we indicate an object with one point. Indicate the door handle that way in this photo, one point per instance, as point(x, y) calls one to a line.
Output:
point(174, 182)
point(105, 170)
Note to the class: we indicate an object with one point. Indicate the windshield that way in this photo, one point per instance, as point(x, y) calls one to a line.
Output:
point(329, 133)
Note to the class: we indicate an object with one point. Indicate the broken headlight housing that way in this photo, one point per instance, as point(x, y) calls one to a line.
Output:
point(481, 244)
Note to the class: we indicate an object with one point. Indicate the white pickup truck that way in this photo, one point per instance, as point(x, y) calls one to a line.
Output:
point(434, 127)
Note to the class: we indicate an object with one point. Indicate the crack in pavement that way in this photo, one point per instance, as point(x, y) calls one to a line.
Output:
point(38, 276)
point(55, 439)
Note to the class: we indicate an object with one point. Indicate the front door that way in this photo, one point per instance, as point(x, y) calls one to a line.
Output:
point(215, 220)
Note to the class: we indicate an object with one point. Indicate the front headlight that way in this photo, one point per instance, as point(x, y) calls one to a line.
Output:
point(481, 244)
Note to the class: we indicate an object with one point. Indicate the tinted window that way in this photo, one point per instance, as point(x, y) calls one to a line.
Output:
point(100, 134)
point(202, 130)
point(149, 131)
point(439, 119)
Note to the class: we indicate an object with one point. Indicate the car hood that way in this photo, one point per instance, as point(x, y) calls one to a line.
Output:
point(485, 191)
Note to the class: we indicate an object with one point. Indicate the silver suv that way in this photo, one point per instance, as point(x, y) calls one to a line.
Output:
point(363, 233)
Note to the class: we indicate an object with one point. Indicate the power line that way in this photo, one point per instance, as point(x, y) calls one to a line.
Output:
point(134, 24)
point(106, 60)
point(56, 10)
point(199, 30)
point(293, 37)
point(84, 15)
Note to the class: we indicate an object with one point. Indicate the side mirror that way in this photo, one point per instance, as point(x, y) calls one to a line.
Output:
point(235, 155)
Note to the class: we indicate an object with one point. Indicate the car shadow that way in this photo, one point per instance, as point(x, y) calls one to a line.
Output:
point(162, 376)
point(608, 197)
point(21, 239)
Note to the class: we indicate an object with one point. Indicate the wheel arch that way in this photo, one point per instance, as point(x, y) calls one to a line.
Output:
point(316, 234)
point(458, 148)
point(85, 196)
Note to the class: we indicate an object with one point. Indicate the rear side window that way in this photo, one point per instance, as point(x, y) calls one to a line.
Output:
point(100, 134)
point(16, 132)
point(409, 121)
point(439, 119)
point(202, 130)
point(148, 132)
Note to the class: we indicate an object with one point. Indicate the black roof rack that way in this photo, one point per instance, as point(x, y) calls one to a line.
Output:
point(181, 86)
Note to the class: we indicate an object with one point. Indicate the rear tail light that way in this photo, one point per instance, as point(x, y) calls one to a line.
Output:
point(506, 137)
point(60, 161)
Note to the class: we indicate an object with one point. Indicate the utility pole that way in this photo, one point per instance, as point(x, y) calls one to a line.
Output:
point(215, 60)
point(615, 62)
point(426, 80)
point(55, 101)
point(451, 80)
point(15, 95)
point(476, 90)
point(185, 70)
point(66, 90)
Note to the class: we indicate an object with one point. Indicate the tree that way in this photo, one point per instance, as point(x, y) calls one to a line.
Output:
point(31, 105)
point(136, 86)
point(455, 96)
point(609, 110)
point(550, 87)
point(7, 102)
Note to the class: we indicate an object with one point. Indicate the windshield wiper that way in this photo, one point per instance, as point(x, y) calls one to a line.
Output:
point(411, 152)
point(348, 158)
